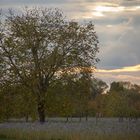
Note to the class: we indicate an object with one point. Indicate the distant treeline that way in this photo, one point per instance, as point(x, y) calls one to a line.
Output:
point(69, 97)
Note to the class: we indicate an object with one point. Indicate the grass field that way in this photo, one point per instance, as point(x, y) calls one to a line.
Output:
point(46, 135)
point(58, 129)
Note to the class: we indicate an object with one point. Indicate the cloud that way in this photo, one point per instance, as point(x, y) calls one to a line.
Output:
point(109, 77)
point(124, 69)
point(117, 23)
point(124, 74)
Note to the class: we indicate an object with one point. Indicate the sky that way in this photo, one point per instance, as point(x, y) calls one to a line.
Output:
point(117, 23)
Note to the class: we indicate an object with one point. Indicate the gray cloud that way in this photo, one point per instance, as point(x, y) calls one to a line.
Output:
point(119, 32)
point(130, 2)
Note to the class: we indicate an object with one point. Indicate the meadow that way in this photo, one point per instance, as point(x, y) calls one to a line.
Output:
point(59, 129)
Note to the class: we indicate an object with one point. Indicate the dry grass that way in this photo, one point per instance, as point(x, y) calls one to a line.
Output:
point(51, 135)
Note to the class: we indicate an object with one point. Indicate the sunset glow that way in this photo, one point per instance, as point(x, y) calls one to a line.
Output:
point(124, 69)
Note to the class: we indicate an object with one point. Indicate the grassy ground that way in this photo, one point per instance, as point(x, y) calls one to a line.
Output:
point(59, 129)
point(5, 137)
point(15, 134)
point(103, 126)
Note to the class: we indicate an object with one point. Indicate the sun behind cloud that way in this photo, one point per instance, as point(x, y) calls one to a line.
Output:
point(102, 8)
point(109, 9)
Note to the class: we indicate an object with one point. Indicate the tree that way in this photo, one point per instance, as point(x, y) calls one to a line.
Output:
point(124, 86)
point(124, 99)
point(6, 103)
point(24, 103)
point(59, 100)
point(38, 44)
point(116, 86)
point(69, 96)
point(98, 87)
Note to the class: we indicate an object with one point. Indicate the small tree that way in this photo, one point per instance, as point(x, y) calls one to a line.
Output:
point(98, 87)
point(37, 44)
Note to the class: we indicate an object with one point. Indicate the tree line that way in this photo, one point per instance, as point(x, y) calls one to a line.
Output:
point(68, 97)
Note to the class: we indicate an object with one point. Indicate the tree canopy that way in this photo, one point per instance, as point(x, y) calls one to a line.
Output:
point(39, 43)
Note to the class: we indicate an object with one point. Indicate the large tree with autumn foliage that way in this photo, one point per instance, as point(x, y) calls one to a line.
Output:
point(39, 44)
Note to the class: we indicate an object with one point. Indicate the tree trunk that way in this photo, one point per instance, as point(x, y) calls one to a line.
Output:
point(67, 119)
point(41, 111)
point(40, 98)
point(80, 119)
point(26, 118)
point(86, 117)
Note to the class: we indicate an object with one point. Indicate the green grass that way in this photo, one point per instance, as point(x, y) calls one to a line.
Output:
point(15, 134)
point(4, 137)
